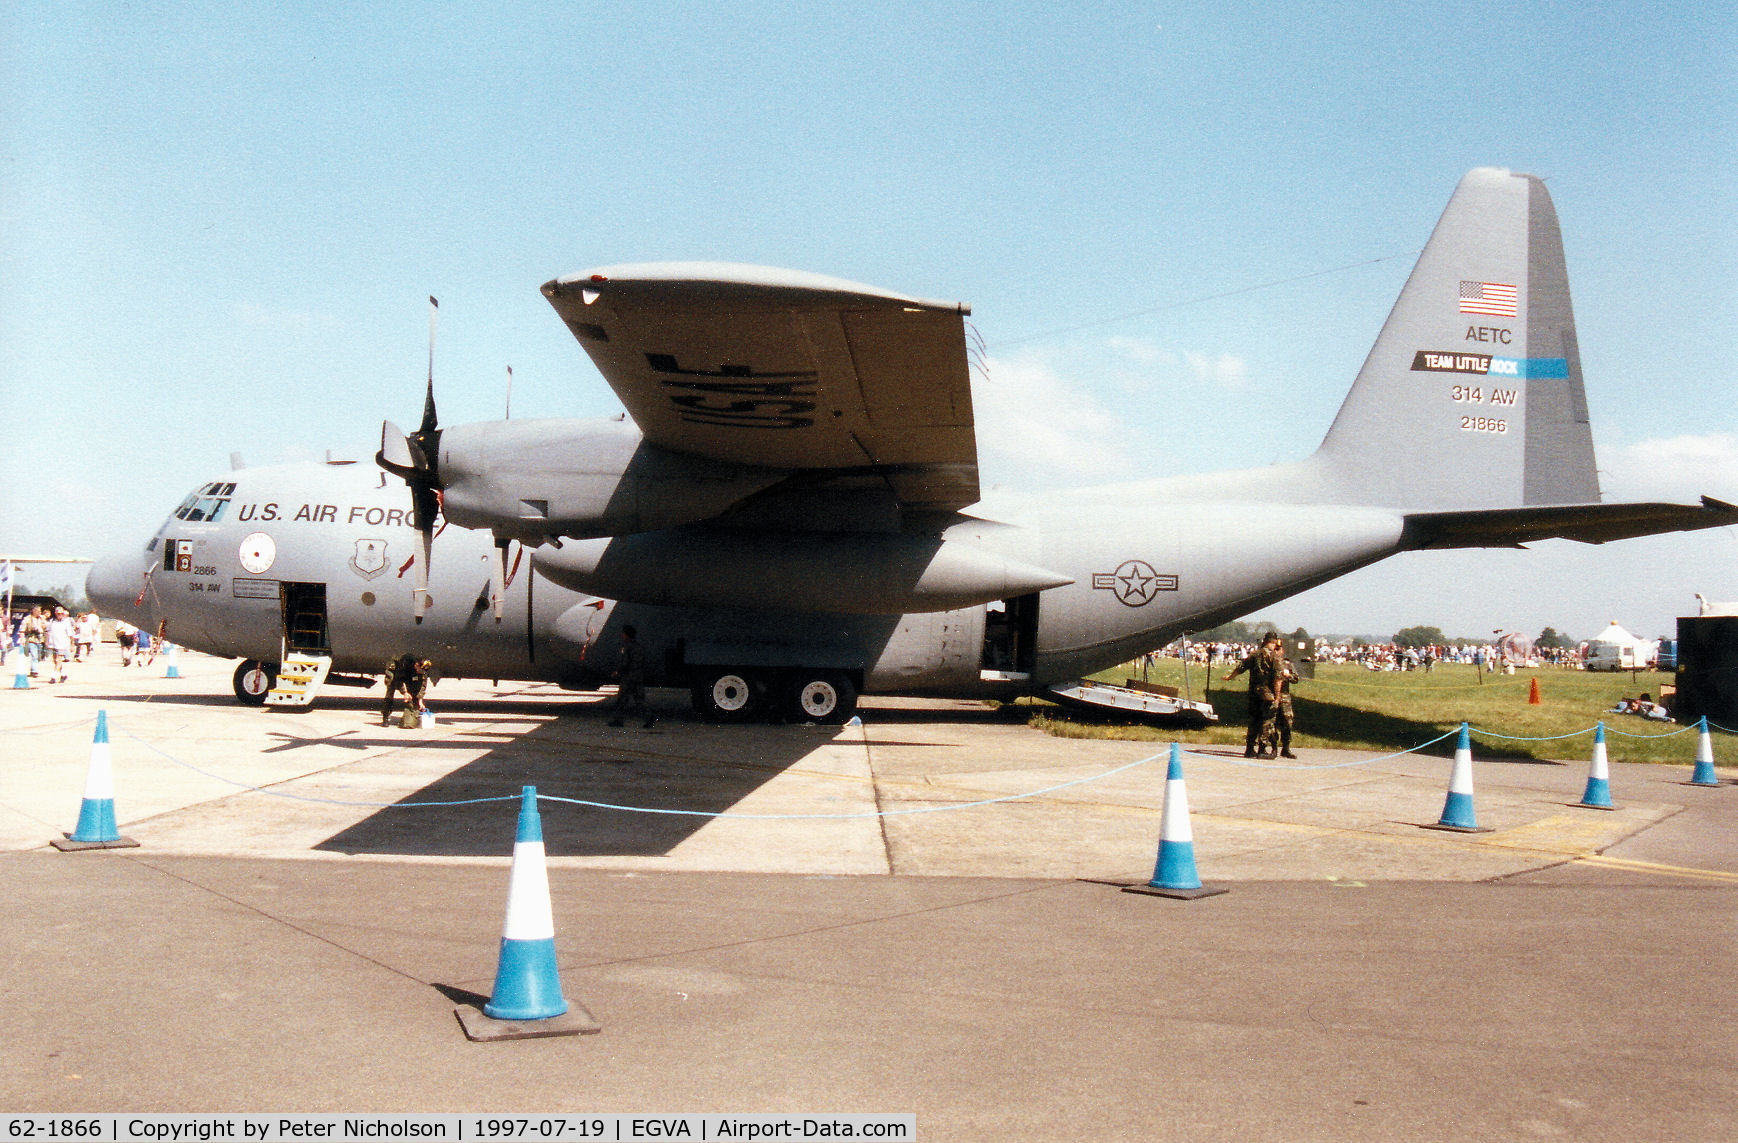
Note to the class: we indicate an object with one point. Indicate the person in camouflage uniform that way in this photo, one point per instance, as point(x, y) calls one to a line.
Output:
point(1265, 665)
point(1284, 718)
point(409, 674)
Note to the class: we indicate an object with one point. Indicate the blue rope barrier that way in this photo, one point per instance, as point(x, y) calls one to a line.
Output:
point(1609, 729)
point(1328, 766)
point(244, 786)
point(1523, 738)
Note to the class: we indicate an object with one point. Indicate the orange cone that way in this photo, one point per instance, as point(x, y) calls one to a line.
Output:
point(1533, 698)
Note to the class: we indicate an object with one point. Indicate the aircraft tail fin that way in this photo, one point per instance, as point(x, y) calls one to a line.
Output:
point(1471, 397)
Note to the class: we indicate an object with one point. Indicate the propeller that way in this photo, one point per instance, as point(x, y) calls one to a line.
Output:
point(415, 458)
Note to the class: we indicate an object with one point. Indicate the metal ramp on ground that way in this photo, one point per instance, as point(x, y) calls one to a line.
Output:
point(1136, 699)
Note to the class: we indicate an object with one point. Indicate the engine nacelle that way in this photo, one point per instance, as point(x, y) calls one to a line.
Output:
point(535, 479)
point(851, 573)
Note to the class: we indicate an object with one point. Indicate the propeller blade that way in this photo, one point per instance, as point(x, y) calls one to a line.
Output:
point(498, 578)
point(395, 454)
point(424, 548)
point(428, 405)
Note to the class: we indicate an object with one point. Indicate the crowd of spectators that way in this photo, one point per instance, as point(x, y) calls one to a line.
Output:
point(1504, 657)
point(47, 639)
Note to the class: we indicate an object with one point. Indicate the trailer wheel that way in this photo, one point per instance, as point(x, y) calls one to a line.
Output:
point(253, 680)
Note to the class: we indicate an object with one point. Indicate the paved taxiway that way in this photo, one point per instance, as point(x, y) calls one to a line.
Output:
point(292, 936)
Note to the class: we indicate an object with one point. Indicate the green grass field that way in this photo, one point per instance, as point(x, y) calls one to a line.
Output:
point(1350, 708)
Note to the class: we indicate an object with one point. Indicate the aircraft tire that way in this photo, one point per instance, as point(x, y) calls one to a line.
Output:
point(253, 679)
point(826, 697)
point(727, 695)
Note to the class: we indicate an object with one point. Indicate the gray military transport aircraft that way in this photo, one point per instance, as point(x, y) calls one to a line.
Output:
point(792, 516)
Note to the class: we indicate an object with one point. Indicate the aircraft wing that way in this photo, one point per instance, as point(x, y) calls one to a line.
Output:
point(1589, 523)
point(783, 369)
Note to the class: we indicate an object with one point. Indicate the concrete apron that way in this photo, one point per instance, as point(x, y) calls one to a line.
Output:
point(195, 773)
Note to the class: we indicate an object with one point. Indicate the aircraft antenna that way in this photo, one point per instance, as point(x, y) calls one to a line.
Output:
point(976, 351)
point(509, 415)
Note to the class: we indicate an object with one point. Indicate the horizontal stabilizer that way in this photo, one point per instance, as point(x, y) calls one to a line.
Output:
point(1588, 523)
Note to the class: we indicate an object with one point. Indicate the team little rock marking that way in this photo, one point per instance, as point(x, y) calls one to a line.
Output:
point(1135, 583)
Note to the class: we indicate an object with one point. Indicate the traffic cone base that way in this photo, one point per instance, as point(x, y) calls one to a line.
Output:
point(68, 845)
point(482, 1029)
point(1174, 894)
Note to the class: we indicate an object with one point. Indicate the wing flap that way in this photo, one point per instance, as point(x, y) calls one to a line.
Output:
point(781, 369)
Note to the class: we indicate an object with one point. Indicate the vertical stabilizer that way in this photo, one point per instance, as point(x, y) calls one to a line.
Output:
point(1471, 396)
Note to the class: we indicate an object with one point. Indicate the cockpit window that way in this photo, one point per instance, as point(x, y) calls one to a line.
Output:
point(207, 505)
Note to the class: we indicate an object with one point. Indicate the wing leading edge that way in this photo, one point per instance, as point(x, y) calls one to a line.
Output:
point(783, 369)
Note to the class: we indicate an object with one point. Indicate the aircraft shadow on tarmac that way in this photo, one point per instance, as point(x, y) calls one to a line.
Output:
point(673, 779)
point(559, 744)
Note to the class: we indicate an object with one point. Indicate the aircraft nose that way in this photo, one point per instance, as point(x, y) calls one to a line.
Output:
point(113, 584)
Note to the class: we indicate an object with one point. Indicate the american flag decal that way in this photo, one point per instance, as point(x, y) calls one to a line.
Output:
point(1492, 298)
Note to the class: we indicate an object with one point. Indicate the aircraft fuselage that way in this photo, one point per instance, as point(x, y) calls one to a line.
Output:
point(267, 559)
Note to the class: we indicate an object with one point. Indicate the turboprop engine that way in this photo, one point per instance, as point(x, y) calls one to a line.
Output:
point(855, 573)
point(537, 479)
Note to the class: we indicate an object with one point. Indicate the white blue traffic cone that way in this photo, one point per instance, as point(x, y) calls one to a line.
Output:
point(21, 675)
point(1704, 774)
point(1597, 796)
point(527, 1000)
point(173, 670)
point(1175, 875)
point(96, 814)
point(1457, 811)
point(526, 984)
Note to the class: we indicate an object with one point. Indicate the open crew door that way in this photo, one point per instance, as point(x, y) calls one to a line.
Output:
point(307, 653)
point(305, 627)
point(1010, 640)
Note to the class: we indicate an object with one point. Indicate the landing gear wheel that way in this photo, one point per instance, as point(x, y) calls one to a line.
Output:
point(726, 695)
point(827, 697)
point(253, 679)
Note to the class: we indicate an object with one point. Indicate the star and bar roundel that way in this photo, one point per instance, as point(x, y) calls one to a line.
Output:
point(1135, 583)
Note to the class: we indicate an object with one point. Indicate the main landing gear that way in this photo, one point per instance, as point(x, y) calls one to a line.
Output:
point(731, 694)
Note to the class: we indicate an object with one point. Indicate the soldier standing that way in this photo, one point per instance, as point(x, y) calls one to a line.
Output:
point(631, 680)
point(1264, 666)
point(1285, 719)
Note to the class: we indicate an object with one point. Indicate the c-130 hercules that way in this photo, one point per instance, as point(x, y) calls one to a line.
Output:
point(788, 519)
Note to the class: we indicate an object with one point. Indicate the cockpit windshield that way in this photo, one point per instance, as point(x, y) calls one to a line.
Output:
point(207, 505)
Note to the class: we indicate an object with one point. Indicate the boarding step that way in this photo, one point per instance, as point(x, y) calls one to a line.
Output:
point(1144, 701)
point(299, 679)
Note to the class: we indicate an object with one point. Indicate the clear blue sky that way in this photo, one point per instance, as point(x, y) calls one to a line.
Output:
point(222, 223)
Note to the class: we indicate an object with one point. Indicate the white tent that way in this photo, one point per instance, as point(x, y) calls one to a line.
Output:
point(1615, 649)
